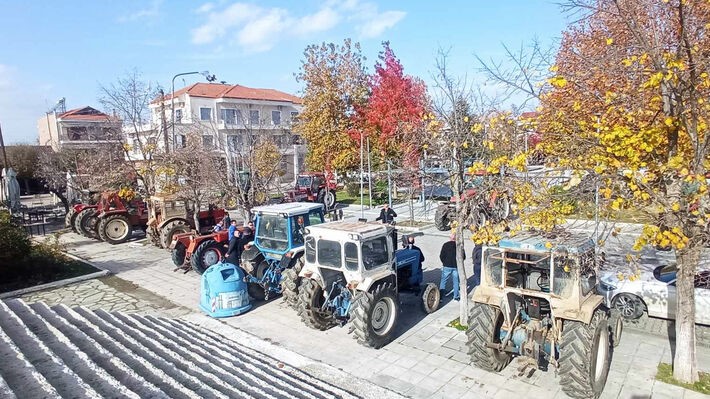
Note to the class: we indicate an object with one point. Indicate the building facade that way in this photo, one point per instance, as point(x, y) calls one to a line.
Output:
point(79, 128)
point(232, 119)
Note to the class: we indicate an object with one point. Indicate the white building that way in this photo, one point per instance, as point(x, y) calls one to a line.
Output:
point(230, 119)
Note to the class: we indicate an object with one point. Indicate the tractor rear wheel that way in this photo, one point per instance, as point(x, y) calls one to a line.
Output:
point(208, 253)
point(585, 351)
point(484, 323)
point(178, 254)
point(310, 301)
point(441, 218)
point(82, 222)
point(290, 282)
point(374, 316)
point(170, 230)
point(69, 218)
point(115, 229)
point(431, 298)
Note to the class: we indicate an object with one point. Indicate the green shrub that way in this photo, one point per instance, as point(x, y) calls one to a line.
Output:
point(353, 188)
point(14, 243)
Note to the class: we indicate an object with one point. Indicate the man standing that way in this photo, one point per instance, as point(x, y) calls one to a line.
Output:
point(387, 215)
point(232, 230)
point(477, 253)
point(448, 266)
point(234, 250)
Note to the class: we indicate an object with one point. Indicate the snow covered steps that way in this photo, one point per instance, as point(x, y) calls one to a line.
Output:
point(62, 352)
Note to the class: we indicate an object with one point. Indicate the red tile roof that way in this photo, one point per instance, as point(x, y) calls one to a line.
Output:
point(528, 115)
point(214, 90)
point(85, 114)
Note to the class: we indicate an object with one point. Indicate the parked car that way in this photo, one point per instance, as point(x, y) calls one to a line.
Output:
point(654, 292)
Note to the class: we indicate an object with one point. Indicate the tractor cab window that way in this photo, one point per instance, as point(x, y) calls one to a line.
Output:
point(564, 277)
point(317, 182)
point(310, 249)
point(315, 217)
point(304, 181)
point(493, 266)
point(374, 252)
point(329, 253)
point(351, 256)
point(529, 271)
point(273, 231)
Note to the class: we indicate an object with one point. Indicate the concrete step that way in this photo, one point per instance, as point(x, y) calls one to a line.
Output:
point(64, 380)
point(55, 352)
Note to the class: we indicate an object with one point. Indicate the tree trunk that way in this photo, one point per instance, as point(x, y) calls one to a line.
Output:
point(460, 265)
point(685, 364)
point(62, 198)
point(196, 217)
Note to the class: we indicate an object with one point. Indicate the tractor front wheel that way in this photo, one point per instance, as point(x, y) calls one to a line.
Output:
point(178, 254)
point(310, 301)
point(290, 282)
point(374, 316)
point(170, 230)
point(431, 298)
point(484, 323)
point(256, 290)
point(442, 221)
point(115, 229)
point(585, 354)
point(207, 254)
point(69, 218)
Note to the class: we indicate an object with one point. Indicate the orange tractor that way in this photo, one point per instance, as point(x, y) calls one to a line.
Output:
point(170, 217)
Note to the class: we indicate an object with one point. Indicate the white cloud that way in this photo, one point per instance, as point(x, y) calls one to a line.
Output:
point(152, 11)
point(258, 29)
point(378, 23)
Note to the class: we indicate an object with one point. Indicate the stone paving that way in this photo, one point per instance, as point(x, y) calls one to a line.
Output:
point(108, 293)
point(428, 359)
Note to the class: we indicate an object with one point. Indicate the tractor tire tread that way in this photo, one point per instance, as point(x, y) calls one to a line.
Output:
point(576, 346)
point(441, 218)
point(311, 318)
point(361, 313)
point(481, 330)
point(167, 232)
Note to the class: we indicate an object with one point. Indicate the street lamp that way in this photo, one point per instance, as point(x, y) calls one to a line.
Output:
point(206, 74)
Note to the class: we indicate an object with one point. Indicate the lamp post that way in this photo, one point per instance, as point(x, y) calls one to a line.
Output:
point(206, 74)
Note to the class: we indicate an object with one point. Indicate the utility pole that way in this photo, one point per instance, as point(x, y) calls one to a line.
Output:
point(362, 166)
point(163, 121)
point(369, 173)
point(389, 183)
point(4, 154)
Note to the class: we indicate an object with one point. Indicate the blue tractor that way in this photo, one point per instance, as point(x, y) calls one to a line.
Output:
point(353, 275)
point(277, 249)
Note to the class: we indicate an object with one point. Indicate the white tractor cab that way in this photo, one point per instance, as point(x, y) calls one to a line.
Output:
point(538, 301)
point(354, 274)
point(278, 247)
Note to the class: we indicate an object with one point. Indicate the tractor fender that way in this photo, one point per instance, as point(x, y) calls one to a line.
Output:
point(290, 258)
point(312, 272)
point(106, 214)
point(172, 219)
point(184, 238)
point(370, 283)
point(583, 314)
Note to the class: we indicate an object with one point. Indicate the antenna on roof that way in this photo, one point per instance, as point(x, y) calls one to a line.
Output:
point(59, 107)
point(224, 82)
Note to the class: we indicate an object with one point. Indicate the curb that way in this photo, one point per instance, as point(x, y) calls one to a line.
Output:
point(59, 283)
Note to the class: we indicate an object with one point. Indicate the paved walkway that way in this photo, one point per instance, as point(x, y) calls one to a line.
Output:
point(428, 359)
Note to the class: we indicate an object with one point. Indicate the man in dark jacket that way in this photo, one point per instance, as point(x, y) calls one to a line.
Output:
point(477, 253)
point(387, 215)
point(448, 266)
point(234, 252)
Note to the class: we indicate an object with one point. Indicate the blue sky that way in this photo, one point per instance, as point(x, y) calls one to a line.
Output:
point(54, 49)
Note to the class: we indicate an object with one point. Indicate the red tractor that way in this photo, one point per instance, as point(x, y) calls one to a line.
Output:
point(170, 216)
point(113, 219)
point(495, 207)
point(72, 215)
point(313, 187)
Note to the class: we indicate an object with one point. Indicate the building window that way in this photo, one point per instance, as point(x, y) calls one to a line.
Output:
point(181, 140)
point(275, 117)
point(235, 141)
point(254, 116)
point(205, 114)
point(178, 115)
point(208, 141)
point(231, 116)
point(294, 116)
